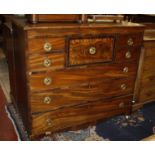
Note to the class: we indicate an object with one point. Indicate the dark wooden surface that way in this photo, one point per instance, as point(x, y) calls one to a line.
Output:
point(36, 18)
point(80, 90)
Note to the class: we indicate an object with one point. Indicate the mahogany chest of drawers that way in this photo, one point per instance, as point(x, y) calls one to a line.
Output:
point(74, 74)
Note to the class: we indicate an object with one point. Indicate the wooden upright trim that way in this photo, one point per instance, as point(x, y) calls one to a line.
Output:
point(139, 75)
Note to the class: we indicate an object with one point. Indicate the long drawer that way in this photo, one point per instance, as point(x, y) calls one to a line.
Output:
point(79, 114)
point(77, 76)
point(91, 91)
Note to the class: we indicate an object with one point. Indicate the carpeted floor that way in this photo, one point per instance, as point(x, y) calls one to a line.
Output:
point(139, 125)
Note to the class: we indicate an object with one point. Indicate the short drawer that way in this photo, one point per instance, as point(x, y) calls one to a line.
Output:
point(128, 54)
point(79, 76)
point(79, 114)
point(45, 62)
point(92, 91)
point(45, 45)
point(129, 40)
point(90, 50)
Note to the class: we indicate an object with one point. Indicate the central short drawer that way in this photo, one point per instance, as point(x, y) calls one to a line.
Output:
point(90, 50)
point(79, 114)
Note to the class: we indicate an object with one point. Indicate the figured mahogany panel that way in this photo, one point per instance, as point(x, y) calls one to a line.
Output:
point(78, 76)
point(79, 114)
point(91, 91)
point(36, 45)
point(92, 50)
point(45, 62)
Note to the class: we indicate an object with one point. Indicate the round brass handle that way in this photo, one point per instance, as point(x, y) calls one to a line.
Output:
point(130, 42)
point(121, 105)
point(123, 86)
point(49, 122)
point(125, 69)
point(128, 55)
point(47, 100)
point(92, 50)
point(47, 62)
point(47, 46)
point(47, 81)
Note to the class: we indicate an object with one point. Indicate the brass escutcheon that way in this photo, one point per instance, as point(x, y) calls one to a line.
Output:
point(130, 42)
point(121, 105)
point(49, 122)
point(47, 81)
point(123, 86)
point(128, 55)
point(125, 69)
point(47, 46)
point(47, 62)
point(47, 100)
point(92, 50)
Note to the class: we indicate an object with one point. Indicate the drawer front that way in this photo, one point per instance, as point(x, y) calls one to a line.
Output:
point(80, 114)
point(128, 54)
point(92, 91)
point(129, 40)
point(44, 62)
point(79, 76)
point(45, 45)
point(93, 50)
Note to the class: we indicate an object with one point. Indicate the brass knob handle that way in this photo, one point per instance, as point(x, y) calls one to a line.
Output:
point(92, 50)
point(121, 105)
point(49, 122)
point(128, 55)
point(125, 69)
point(130, 42)
point(47, 46)
point(123, 86)
point(47, 81)
point(47, 100)
point(47, 62)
